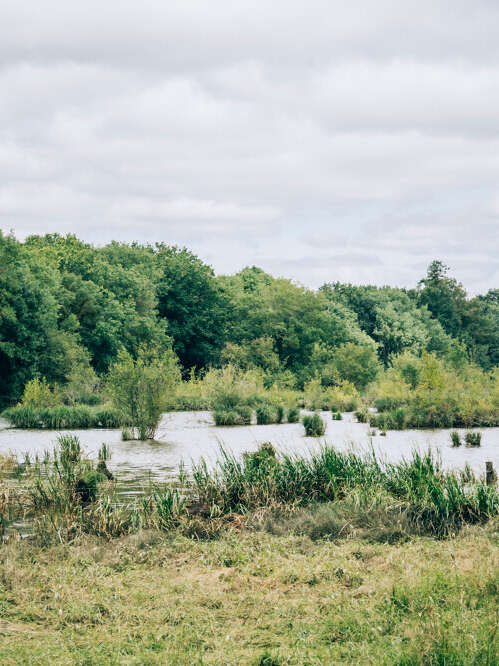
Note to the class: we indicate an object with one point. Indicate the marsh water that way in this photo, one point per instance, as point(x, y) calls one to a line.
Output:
point(189, 436)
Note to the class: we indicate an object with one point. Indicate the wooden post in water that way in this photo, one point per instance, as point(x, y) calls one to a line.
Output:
point(490, 475)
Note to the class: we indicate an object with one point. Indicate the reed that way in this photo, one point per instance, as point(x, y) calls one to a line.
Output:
point(314, 425)
point(473, 438)
point(62, 417)
point(266, 414)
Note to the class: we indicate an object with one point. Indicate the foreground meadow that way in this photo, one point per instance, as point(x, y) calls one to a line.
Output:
point(251, 598)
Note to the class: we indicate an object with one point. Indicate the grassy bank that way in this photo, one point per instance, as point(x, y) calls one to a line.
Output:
point(265, 560)
point(251, 598)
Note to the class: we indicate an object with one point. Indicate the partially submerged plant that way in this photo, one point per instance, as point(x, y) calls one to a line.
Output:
point(473, 438)
point(314, 425)
point(455, 439)
point(266, 414)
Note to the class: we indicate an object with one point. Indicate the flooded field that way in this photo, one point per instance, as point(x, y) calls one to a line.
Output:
point(188, 436)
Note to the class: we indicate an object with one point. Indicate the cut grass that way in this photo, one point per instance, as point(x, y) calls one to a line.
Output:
point(251, 598)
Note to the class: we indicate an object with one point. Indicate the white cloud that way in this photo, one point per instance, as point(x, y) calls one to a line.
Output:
point(320, 140)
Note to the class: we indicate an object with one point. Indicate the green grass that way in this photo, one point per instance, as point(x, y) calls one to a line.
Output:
point(240, 415)
point(266, 559)
point(57, 418)
point(266, 414)
point(251, 598)
point(314, 425)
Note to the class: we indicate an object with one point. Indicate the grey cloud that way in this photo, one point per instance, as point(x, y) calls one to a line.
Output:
point(253, 132)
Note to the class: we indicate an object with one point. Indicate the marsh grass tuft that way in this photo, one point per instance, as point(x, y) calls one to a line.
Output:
point(473, 438)
point(314, 425)
point(266, 414)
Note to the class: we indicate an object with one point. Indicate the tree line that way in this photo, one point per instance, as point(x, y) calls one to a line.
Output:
point(69, 309)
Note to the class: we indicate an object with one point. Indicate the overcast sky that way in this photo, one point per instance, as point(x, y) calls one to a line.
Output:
point(320, 140)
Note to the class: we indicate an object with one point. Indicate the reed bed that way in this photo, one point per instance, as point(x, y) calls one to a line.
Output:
point(56, 418)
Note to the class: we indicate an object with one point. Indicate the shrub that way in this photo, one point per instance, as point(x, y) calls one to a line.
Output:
point(336, 416)
point(314, 425)
point(361, 415)
point(455, 439)
point(266, 414)
point(473, 438)
point(294, 415)
point(139, 388)
point(37, 394)
point(280, 413)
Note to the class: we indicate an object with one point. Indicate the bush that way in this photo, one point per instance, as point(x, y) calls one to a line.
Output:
point(266, 414)
point(473, 438)
point(139, 388)
point(280, 413)
point(336, 416)
point(361, 415)
point(294, 415)
point(38, 394)
point(314, 425)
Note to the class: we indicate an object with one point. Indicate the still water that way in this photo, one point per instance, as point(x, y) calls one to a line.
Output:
point(188, 436)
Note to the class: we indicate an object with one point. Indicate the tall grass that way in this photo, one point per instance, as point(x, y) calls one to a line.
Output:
point(434, 501)
point(314, 425)
point(62, 417)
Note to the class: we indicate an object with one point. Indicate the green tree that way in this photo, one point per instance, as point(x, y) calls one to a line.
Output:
point(357, 364)
point(444, 297)
point(192, 303)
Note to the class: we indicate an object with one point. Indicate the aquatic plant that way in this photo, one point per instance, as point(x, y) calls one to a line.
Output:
point(293, 415)
point(266, 414)
point(62, 417)
point(240, 415)
point(473, 438)
point(455, 439)
point(314, 425)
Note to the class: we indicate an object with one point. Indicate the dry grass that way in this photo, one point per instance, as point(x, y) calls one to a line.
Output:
point(251, 598)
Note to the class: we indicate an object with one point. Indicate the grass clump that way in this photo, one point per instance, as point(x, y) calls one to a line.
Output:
point(314, 425)
point(62, 417)
point(239, 415)
point(336, 416)
point(294, 415)
point(473, 438)
point(362, 415)
point(455, 439)
point(433, 501)
point(266, 414)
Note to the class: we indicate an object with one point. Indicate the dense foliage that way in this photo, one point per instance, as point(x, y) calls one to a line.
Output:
point(68, 310)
